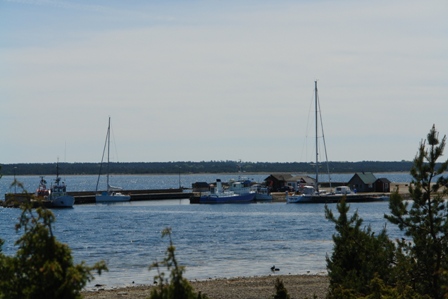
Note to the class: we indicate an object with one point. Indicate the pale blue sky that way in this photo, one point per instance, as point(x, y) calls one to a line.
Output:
point(220, 80)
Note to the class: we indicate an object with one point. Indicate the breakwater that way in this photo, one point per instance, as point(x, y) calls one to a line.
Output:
point(88, 197)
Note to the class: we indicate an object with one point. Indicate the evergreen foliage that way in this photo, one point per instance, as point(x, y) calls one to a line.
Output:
point(280, 290)
point(367, 266)
point(358, 255)
point(42, 266)
point(425, 220)
point(174, 287)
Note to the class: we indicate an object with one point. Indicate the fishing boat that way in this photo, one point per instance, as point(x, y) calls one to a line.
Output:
point(219, 196)
point(58, 193)
point(56, 196)
point(312, 194)
point(112, 194)
point(42, 192)
point(241, 186)
point(262, 193)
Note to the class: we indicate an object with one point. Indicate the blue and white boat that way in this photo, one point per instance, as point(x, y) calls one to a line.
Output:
point(241, 186)
point(58, 193)
point(219, 195)
point(262, 194)
point(244, 186)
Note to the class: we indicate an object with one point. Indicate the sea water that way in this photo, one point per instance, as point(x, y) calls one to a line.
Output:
point(212, 241)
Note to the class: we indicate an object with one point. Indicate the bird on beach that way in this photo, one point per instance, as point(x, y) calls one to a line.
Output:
point(273, 269)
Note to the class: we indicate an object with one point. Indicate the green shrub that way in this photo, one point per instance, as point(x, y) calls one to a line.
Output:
point(280, 290)
point(424, 221)
point(42, 266)
point(365, 265)
point(358, 255)
point(174, 287)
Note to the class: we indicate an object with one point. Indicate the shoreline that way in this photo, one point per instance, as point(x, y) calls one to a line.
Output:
point(298, 286)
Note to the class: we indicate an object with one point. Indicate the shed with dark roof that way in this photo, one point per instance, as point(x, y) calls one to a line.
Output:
point(362, 182)
point(278, 181)
point(382, 185)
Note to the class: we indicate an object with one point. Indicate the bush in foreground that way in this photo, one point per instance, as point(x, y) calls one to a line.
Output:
point(42, 266)
point(176, 286)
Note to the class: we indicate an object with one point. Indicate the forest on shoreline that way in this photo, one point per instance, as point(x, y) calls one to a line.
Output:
point(202, 167)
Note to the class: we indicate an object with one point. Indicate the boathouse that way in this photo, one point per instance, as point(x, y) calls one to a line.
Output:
point(277, 182)
point(282, 182)
point(382, 185)
point(362, 182)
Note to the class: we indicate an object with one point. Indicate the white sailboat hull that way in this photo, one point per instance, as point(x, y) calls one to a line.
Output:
point(299, 198)
point(112, 197)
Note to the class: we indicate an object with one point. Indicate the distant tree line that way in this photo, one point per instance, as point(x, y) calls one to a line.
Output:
point(202, 167)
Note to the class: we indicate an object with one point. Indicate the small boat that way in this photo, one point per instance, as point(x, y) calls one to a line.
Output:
point(42, 192)
point(244, 186)
point(218, 195)
point(112, 194)
point(241, 186)
point(262, 194)
point(58, 194)
point(306, 196)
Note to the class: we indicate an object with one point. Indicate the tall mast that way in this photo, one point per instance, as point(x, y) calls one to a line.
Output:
point(317, 148)
point(57, 169)
point(108, 152)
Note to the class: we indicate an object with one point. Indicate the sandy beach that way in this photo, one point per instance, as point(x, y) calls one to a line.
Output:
point(298, 287)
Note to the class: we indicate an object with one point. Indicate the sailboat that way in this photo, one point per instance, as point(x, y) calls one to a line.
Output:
point(112, 194)
point(311, 194)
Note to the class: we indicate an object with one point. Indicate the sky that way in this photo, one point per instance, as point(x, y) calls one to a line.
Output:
point(220, 80)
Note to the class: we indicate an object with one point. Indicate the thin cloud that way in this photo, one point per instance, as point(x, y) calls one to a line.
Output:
point(234, 81)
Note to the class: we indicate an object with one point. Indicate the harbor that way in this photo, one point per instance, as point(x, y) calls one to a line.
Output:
point(164, 186)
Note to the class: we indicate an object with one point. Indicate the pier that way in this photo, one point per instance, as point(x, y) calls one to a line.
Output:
point(88, 197)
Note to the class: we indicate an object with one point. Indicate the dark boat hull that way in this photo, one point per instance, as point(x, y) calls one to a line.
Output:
point(338, 197)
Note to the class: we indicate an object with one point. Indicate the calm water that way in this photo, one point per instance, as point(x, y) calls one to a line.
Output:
point(210, 240)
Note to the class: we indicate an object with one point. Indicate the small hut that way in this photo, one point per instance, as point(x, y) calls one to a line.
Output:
point(277, 182)
point(382, 185)
point(362, 182)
